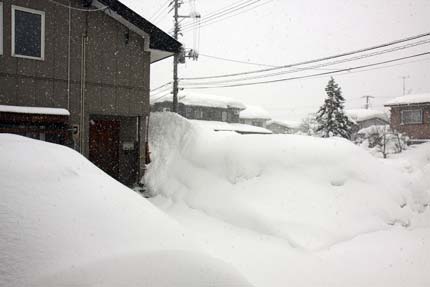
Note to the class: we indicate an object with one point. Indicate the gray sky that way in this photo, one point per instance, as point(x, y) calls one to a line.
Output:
point(288, 31)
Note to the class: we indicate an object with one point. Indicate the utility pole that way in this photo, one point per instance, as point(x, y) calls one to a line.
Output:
point(175, 58)
point(367, 104)
point(404, 84)
point(179, 57)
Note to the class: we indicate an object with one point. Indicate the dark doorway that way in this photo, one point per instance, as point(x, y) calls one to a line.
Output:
point(104, 145)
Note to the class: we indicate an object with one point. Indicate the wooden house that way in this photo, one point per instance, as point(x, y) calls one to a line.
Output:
point(200, 107)
point(410, 115)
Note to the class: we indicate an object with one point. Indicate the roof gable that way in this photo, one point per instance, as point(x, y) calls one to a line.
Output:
point(159, 40)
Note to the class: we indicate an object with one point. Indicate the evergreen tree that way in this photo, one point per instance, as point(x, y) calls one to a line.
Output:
point(331, 118)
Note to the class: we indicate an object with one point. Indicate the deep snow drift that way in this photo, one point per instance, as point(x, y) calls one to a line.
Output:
point(295, 209)
point(63, 222)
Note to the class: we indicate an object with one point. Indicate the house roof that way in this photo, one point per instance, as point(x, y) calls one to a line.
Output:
point(201, 100)
point(410, 100)
point(359, 115)
point(159, 40)
point(255, 112)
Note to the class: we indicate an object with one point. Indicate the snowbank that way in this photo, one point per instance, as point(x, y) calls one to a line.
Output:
point(231, 127)
point(294, 210)
point(312, 192)
point(202, 100)
point(410, 99)
point(34, 110)
point(255, 112)
point(65, 222)
point(286, 123)
point(359, 115)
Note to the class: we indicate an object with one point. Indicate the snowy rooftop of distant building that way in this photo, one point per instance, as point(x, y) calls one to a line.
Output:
point(359, 115)
point(34, 110)
point(202, 100)
point(254, 112)
point(410, 99)
point(234, 127)
point(286, 123)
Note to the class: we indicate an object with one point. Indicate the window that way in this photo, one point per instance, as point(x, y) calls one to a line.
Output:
point(1, 28)
point(412, 117)
point(224, 116)
point(28, 33)
point(198, 114)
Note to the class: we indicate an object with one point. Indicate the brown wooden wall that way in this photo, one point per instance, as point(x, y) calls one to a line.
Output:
point(414, 131)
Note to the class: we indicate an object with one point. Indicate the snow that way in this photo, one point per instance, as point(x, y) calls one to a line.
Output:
point(286, 123)
point(295, 210)
point(64, 222)
point(410, 99)
point(359, 115)
point(202, 100)
point(233, 127)
point(254, 112)
point(34, 110)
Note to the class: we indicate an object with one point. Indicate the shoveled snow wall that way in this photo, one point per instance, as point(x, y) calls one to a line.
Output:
point(309, 191)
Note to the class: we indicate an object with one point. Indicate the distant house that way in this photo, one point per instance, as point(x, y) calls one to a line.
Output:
point(283, 127)
point(364, 118)
point(254, 116)
point(78, 73)
point(410, 115)
point(201, 107)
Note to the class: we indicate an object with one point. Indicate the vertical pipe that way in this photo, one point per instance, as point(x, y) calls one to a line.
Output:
point(69, 55)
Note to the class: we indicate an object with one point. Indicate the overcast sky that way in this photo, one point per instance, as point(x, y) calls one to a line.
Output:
point(287, 31)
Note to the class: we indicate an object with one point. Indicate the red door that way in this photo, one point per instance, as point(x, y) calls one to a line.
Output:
point(104, 145)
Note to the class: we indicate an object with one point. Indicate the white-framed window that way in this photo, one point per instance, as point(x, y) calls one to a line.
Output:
point(28, 33)
point(412, 116)
point(1, 28)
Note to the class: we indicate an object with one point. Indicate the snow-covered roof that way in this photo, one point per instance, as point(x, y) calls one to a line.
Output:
point(359, 115)
point(201, 100)
point(410, 99)
point(286, 123)
point(255, 112)
point(234, 127)
point(34, 110)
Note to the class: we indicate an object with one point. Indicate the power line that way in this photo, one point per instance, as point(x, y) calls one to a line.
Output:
point(309, 76)
point(363, 56)
point(214, 21)
point(162, 7)
point(315, 60)
point(235, 61)
point(216, 13)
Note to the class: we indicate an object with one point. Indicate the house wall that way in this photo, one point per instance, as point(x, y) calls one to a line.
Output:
point(279, 129)
point(109, 75)
point(208, 113)
point(371, 122)
point(414, 131)
point(254, 122)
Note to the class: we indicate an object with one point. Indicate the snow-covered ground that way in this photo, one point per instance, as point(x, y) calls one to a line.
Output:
point(64, 222)
point(290, 210)
point(228, 210)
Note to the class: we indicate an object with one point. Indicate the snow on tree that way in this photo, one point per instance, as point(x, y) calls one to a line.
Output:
point(331, 118)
